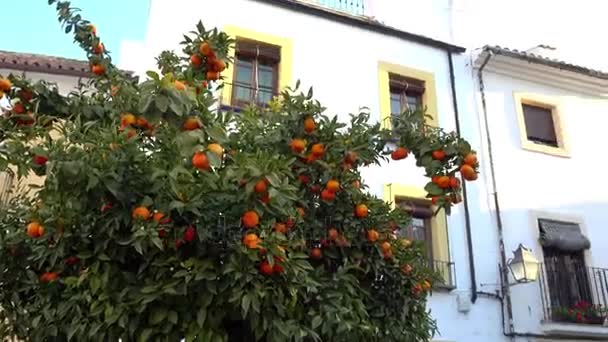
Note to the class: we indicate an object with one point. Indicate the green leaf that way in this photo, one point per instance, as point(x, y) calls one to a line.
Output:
point(245, 303)
point(433, 189)
point(162, 103)
point(316, 322)
point(153, 75)
point(201, 315)
point(216, 134)
point(172, 317)
point(157, 315)
point(144, 102)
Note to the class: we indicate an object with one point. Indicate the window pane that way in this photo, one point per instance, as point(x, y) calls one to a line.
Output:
point(539, 125)
point(266, 76)
point(414, 101)
point(395, 104)
point(243, 81)
point(244, 72)
point(264, 95)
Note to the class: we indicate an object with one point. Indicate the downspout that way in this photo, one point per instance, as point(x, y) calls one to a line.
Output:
point(504, 272)
point(467, 216)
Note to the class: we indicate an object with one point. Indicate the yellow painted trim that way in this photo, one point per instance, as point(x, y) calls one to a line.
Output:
point(552, 103)
point(285, 65)
point(429, 98)
point(439, 232)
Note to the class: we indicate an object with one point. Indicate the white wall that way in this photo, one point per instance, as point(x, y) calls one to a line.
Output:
point(531, 182)
point(65, 83)
point(341, 62)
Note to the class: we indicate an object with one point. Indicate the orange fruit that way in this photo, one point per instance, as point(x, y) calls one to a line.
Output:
point(142, 123)
point(161, 218)
point(98, 69)
point(470, 159)
point(48, 277)
point(405, 243)
point(250, 219)
point(372, 235)
point(439, 155)
point(98, 49)
point(278, 268)
point(385, 246)
point(5, 84)
point(266, 269)
point(434, 199)
point(179, 85)
point(219, 65)
point(260, 187)
point(280, 227)
point(443, 182)
point(309, 125)
point(192, 123)
point(114, 90)
point(454, 182)
point(406, 269)
point(316, 253)
point(361, 211)
point(251, 240)
point(332, 234)
point(213, 75)
point(315, 189)
point(216, 149)
point(468, 172)
point(387, 254)
point(333, 185)
point(141, 213)
point(127, 119)
point(93, 29)
point(131, 133)
point(311, 158)
point(328, 195)
point(351, 157)
point(300, 211)
point(426, 285)
point(318, 150)
point(200, 161)
point(35, 229)
point(205, 49)
point(297, 145)
point(196, 61)
point(400, 153)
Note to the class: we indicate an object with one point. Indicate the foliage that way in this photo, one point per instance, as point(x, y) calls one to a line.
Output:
point(582, 312)
point(178, 221)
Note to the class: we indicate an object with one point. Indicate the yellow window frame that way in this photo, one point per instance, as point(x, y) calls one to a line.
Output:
point(285, 64)
point(429, 98)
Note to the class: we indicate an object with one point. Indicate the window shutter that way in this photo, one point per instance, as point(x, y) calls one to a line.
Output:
point(417, 210)
point(251, 48)
point(400, 83)
point(563, 236)
point(539, 124)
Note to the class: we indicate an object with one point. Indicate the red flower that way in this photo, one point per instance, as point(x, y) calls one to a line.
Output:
point(190, 234)
point(40, 160)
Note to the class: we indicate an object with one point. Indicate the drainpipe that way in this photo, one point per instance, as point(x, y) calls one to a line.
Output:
point(467, 216)
point(504, 272)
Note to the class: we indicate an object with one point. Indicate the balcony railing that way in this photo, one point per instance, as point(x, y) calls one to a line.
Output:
point(447, 273)
point(574, 294)
point(6, 183)
point(352, 7)
point(237, 96)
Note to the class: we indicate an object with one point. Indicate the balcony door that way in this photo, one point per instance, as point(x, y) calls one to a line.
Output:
point(255, 73)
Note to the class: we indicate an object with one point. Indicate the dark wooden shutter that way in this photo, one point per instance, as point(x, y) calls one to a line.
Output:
point(254, 49)
point(539, 123)
point(400, 83)
point(415, 209)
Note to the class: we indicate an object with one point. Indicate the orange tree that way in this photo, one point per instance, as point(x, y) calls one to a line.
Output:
point(160, 218)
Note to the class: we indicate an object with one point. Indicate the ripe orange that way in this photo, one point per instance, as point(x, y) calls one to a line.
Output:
point(439, 155)
point(470, 159)
point(426, 285)
point(266, 269)
point(468, 172)
point(35, 229)
point(332, 234)
point(216, 149)
point(142, 123)
point(406, 269)
point(192, 123)
point(454, 182)
point(251, 241)
point(48, 277)
point(385, 246)
point(372, 235)
point(200, 161)
point(309, 125)
point(219, 65)
point(141, 213)
point(260, 187)
point(387, 254)
point(179, 85)
point(333, 185)
point(278, 268)
point(250, 219)
point(159, 217)
point(297, 145)
point(280, 227)
point(443, 182)
point(98, 49)
point(196, 61)
point(318, 150)
point(311, 158)
point(213, 75)
point(205, 49)
point(328, 195)
point(316, 253)
point(399, 153)
point(98, 69)
point(131, 133)
point(5, 84)
point(300, 211)
point(351, 157)
point(127, 119)
point(361, 211)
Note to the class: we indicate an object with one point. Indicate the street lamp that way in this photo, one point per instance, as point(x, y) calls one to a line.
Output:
point(523, 265)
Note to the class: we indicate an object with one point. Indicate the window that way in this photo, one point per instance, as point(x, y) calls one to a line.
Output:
point(420, 226)
point(406, 93)
point(255, 73)
point(539, 124)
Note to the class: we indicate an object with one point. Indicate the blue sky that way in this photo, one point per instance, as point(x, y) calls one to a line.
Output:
point(34, 27)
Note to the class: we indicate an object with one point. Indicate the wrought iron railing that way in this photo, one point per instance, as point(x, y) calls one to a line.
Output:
point(6, 183)
point(237, 96)
point(353, 7)
point(574, 294)
point(447, 273)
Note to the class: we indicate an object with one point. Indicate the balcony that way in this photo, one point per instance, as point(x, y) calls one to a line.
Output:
point(447, 274)
point(235, 97)
point(575, 300)
point(352, 7)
